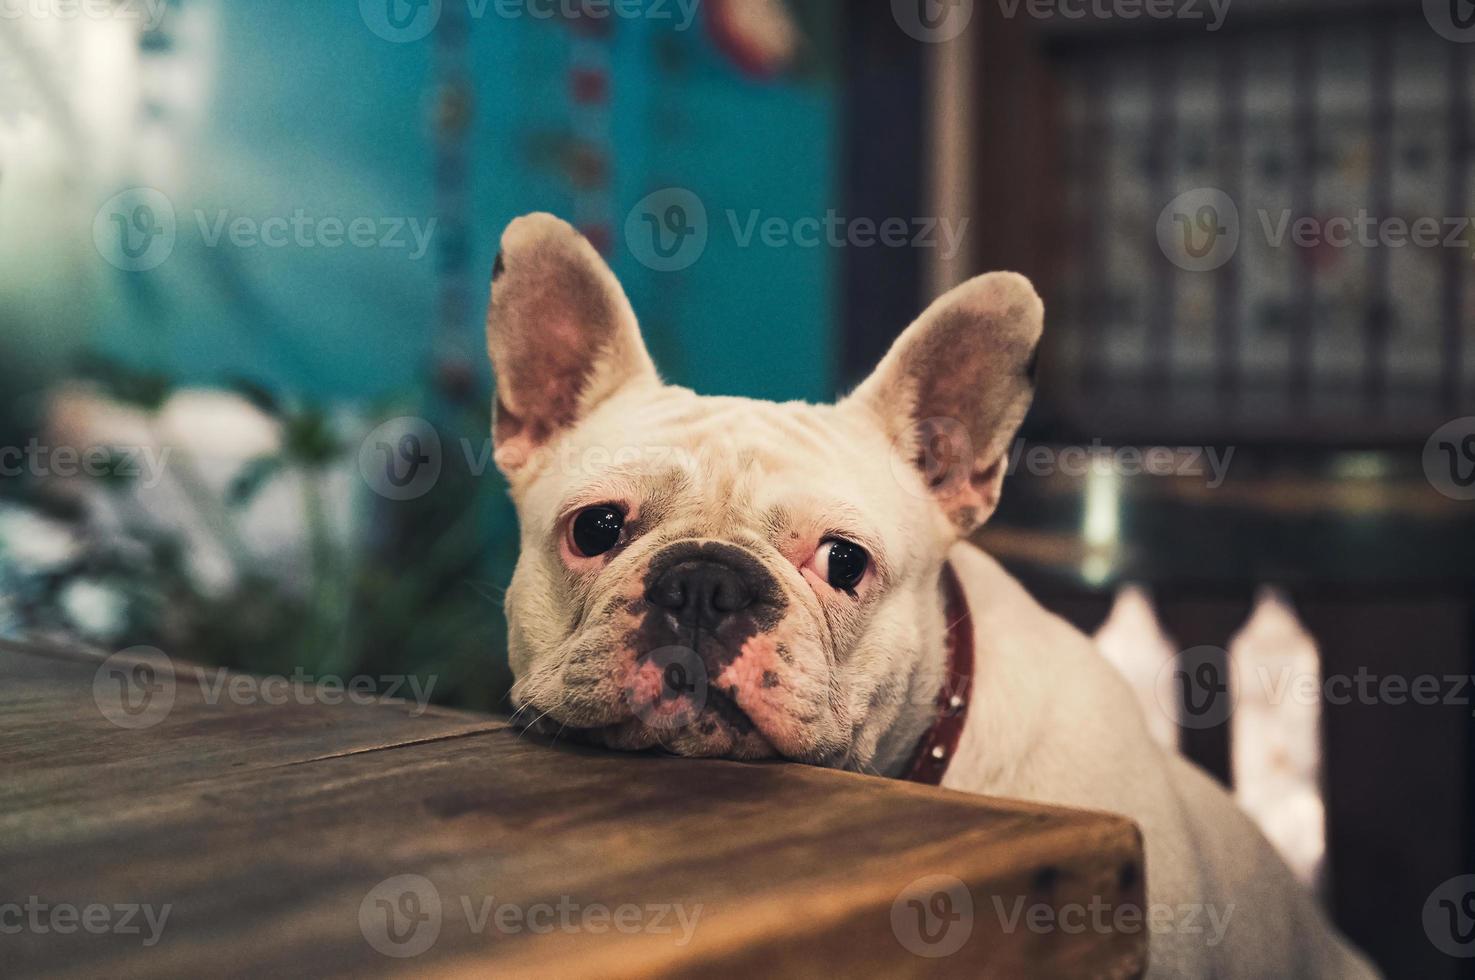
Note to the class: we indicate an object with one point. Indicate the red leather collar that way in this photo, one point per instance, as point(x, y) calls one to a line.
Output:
point(940, 742)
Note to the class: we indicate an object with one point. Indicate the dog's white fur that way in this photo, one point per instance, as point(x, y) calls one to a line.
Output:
point(848, 680)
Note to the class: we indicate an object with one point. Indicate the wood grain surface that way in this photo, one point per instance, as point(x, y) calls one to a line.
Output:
point(311, 839)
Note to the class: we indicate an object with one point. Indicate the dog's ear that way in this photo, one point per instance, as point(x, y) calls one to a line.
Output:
point(954, 388)
point(561, 335)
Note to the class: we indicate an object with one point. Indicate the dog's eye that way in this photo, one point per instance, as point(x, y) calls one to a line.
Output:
point(842, 563)
point(596, 530)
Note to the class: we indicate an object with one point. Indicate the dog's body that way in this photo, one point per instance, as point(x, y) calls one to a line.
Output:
point(1053, 722)
point(725, 577)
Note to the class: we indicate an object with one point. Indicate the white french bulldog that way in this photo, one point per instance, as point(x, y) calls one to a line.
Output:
point(787, 559)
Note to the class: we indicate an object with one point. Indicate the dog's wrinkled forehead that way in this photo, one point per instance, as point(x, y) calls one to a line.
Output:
point(721, 467)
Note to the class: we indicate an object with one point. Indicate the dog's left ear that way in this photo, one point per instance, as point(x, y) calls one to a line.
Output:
point(561, 335)
point(954, 388)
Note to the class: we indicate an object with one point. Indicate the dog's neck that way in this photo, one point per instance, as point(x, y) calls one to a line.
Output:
point(895, 727)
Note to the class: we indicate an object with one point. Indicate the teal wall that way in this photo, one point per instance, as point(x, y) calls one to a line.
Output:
point(310, 109)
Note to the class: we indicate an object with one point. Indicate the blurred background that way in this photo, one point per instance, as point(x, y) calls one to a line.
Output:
point(244, 258)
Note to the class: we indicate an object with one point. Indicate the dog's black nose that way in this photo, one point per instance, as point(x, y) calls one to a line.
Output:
point(702, 590)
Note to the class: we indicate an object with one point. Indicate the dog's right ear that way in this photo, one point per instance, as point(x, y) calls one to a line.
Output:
point(561, 335)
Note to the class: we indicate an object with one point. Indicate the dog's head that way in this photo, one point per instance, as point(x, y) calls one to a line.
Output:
point(724, 576)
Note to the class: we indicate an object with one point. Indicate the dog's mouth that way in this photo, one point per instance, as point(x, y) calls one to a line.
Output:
point(725, 707)
point(715, 726)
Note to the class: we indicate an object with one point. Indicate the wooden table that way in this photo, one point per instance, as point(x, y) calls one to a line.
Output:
point(227, 836)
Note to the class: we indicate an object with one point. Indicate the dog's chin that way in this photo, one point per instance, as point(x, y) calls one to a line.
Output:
point(707, 736)
point(718, 727)
point(718, 730)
